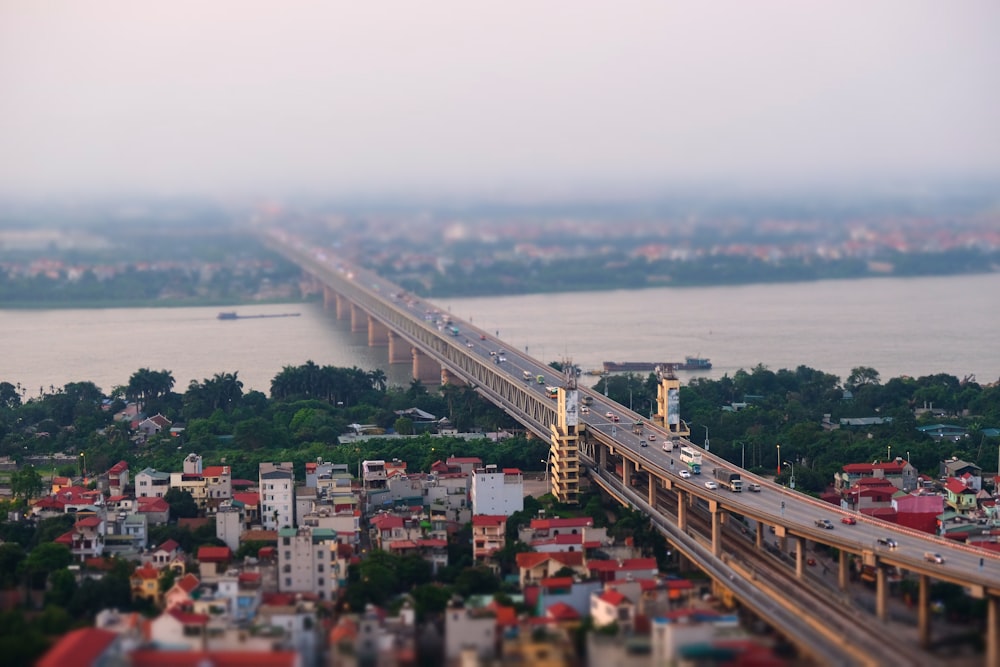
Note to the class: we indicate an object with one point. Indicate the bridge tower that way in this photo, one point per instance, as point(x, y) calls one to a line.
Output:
point(668, 403)
point(564, 453)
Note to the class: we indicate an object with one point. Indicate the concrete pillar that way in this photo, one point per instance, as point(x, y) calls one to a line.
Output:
point(628, 468)
point(682, 523)
point(923, 611)
point(329, 297)
point(359, 319)
point(378, 333)
point(602, 457)
point(992, 631)
point(881, 593)
point(399, 349)
point(652, 492)
point(425, 369)
point(759, 537)
point(447, 377)
point(343, 307)
point(843, 573)
point(716, 531)
point(800, 556)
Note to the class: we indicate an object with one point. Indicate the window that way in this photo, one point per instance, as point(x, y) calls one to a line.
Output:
point(320, 568)
point(288, 555)
point(288, 581)
point(286, 542)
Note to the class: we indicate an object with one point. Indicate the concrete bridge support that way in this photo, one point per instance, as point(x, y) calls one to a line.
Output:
point(992, 631)
point(800, 556)
point(359, 319)
point(923, 612)
point(682, 522)
point(651, 496)
point(716, 528)
point(425, 369)
point(399, 349)
point(843, 573)
point(378, 333)
point(881, 593)
point(759, 537)
point(343, 307)
point(447, 377)
point(329, 297)
point(602, 458)
point(628, 469)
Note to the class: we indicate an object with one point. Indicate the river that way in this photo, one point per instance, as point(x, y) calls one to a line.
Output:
point(915, 327)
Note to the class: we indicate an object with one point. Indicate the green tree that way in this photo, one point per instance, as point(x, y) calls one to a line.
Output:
point(182, 504)
point(26, 483)
point(403, 426)
point(11, 557)
point(44, 559)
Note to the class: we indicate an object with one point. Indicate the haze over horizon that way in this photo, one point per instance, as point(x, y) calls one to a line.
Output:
point(447, 98)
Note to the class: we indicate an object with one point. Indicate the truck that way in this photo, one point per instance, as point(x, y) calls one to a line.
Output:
point(728, 479)
point(526, 375)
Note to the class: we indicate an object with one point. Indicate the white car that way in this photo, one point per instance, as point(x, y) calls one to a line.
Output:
point(711, 485)
point(685, 473)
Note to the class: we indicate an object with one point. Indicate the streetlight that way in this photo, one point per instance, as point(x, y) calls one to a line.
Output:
point(743, 454)
point(791, 479)
point(545, 475)
point(779, 458)
point(707, 448)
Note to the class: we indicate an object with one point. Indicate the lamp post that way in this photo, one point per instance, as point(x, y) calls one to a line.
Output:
point(791, 479)
point(545, 475)
point(83, 465)
point(707, 448)
point(743, 454)
point(779, 458)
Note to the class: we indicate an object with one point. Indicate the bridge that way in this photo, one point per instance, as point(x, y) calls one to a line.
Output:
point(638, 462)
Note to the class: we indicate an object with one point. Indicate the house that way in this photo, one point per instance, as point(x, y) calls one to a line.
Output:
point(179, 629)
point(213, 561)
point(277, 495)
point(961, 498)
point(86, 538)
point(612, 570)
point(152, 426)
point(489, 534)
point(165, 554)
point(83, 648)
point(533, 566)
point(151, 483)
point(181, 593)
point(472, 630)
point(612, 607)
point(900, 473)
point(918, 511)
point(118, 478)
point(497, 491)
point(433, 550)
point(870, 493)
point(308, 562)
point(156, 509)
point(969, 473)
point(145, 582)
point(944, 432)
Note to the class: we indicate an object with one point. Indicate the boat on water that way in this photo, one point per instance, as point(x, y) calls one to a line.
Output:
point(231, 315)
point(689, 364)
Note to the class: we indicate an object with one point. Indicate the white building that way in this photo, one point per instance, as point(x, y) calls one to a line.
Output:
point(277, 495)
point(229, 524)
point(152, 483)
point(497, 492)
point(308, 562)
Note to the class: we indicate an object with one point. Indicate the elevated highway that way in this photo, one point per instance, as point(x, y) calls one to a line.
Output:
point(442, 348)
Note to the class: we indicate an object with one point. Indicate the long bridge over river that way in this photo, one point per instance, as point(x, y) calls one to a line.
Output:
point(594, 437)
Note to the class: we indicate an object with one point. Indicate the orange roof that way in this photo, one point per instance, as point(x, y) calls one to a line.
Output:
point(187, 583)
point(531, 559)
point(215, 471)
point(613, 597)
point(146, 572)
point(346, 630)
point(78, 648)
point(489, 519)
point(561, 611)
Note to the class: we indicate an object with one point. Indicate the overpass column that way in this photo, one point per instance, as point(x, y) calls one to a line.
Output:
point(759, 538)
point(716, 530)
point(800, 556)
point(343, 307)
point(923, 612)
point(358, 321)
point(628, 468)
point(447, 377)
point(992, 631)
point(652, 491)
point(682, 523)
point(378, 333)
point(399, 349)
point(425, 369)
point(329, 296)
point(602, 457)
point(842, 570)
point(881, 593)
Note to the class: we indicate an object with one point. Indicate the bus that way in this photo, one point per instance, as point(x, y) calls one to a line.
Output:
point(453, 330)
point(691, 459)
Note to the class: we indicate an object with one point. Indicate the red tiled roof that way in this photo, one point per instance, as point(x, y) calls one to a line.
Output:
point(556, 582)
point(251, 499)
point(187, 583)
point(629, 564)
point(432, 543)
point(215, 471)
point(387, 521)
point(209, 554)
point(168, 546)
point(956, 485)
point(561, 611)
point(488, 519)
point(152, 505)
point(458, 460)
point(578, 522)
point(146, 572)
point(613, 597)
point(78, 648)
point(511, 471)
point(403, 544)
point(89, 522)
point(150, 658)
point(118, 468)
point(243, 483)
point(65, 538)
point(529, 559)
point(189, 618)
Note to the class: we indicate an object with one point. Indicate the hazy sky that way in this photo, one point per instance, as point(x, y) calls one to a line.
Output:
point(467, 97)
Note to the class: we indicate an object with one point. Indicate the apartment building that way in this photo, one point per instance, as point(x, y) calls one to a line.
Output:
point(308, 562)
point(497, 491)
point(277, 495)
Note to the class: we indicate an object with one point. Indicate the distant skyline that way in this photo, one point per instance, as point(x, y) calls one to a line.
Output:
point(446, 98)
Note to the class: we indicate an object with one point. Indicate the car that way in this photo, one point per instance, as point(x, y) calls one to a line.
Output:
point(501, 358)
point(609, 414)
point(493, 353)
point(584, 410)
point(824, 523)
point(652, 437)
point(685, 473)
point(887, 542)
point(934, 558)
point(502, 352)
point(711, 485)
point(848, 520)
point(469, 344)
point(482, 336)
point(614, 418)
point(643, 444)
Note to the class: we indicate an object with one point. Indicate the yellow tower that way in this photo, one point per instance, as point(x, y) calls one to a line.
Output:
point(564, 454)
point(668, 403)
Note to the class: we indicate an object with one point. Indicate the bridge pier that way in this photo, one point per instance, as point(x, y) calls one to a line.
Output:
point(923, 612)
point(447, 377)
point(425, 369)
point(759, 536)
point(992, 631)
point(651, 495)
point(843, 564)
point(881, 594)
point(682, 523)
point(359, 321)
point(329, 297)
point(602, 457)
point(343, 306)
point(716, 528)
point(800, 556)
point(378, 333)
point(628, 469)
point(399, 349)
